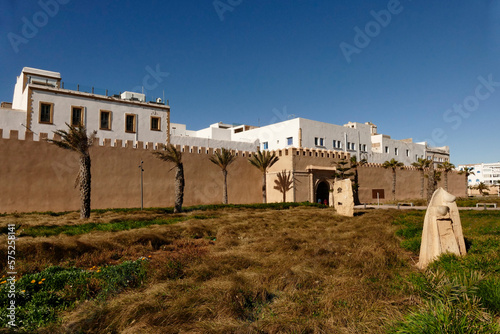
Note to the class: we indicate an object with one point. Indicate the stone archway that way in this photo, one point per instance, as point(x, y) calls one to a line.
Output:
point(323, 192)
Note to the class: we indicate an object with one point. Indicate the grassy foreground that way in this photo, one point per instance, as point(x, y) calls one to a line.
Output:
point(281, 269)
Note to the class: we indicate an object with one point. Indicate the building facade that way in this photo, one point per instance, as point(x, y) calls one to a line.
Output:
point(41, 105)
point(488, 173)
point(357, 139)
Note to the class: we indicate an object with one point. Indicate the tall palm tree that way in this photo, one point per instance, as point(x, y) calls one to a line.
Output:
point(262, 161)
point(421, 165)
point(467, 171)
point(446, 167)
point(283, 183)
point(76, 139)
point(171, 154)
point(223, 159)
point(393, 164)
point(355, 186)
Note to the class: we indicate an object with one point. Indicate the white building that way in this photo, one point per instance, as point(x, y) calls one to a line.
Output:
point(358, 139)
point(40, 104)
point(488, 173)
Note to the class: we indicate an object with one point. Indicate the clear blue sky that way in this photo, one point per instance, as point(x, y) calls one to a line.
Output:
point(267, 58)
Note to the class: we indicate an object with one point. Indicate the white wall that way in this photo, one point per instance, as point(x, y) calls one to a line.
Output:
point(380, 156)
point(275, 134)
point(12, 120)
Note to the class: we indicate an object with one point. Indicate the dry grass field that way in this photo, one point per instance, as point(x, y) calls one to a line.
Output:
point(230, 270)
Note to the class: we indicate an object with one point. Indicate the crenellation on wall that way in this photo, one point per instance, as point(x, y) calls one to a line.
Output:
point(43, 136)
point(118, 143)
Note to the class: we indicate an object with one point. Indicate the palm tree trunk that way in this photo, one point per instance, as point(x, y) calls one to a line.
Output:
point(466, 185)
point(422, 183)
point(356, 187)
point(445, 180)
point(284, 196)
point(431, 187)
point(179, 188)
point(85, 186)
point(264, 196)
point(224, 189)
point(394, 184)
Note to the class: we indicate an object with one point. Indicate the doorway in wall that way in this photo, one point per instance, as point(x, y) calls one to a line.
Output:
point(323, 193)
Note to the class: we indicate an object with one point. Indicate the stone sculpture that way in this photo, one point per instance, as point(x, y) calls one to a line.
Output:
point(343, 198)
point(442, 231)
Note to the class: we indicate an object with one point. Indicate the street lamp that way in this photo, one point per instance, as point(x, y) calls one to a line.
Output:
point(142, 192)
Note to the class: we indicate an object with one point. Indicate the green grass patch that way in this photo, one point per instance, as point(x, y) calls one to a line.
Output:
point(45, 231)
point(472, 201)
point(40, 297)
point(460, 294)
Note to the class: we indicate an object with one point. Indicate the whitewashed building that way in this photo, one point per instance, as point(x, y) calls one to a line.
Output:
point(357, 139)
point(41, 104)
point(488, 173)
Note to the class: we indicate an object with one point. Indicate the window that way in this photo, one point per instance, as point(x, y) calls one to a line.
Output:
point(339, 144)
point(105, 120)
point(407, 153)
point(386, 149)
point(348, 145)
point(76, 116)
point(396, 151)
point(316, 141)
point(289, 141)
point(130, 123)
point(265, 145)
point(478, 172)
point(155, 123)
point(319, 141)
point(46, 112)
point(364, 147)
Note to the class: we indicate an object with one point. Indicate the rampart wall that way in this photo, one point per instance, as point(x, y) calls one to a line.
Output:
point(38, 176)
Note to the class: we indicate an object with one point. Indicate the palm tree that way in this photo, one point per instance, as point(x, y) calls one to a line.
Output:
point(467, 171)
point(223, 160)
point(355, 164)
point(431, 181)
point(421, 165)
point(446, 167)
point(171, 154)
point(481, 186)
point(263, 160)
point(283, 183)
point(393, 164)
point(76, 139)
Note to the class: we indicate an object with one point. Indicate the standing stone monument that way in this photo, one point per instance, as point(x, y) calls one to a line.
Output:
point(442, 231)
point(343, 198)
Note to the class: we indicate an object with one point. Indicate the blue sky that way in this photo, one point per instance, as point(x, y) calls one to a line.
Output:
point(261, 61)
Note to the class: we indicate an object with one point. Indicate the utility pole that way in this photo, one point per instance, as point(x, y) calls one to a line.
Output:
point(142, 189)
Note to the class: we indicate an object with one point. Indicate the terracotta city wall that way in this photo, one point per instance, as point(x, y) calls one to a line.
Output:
point(38, 176)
